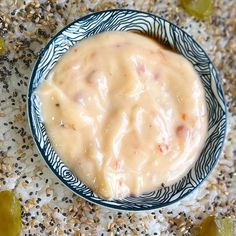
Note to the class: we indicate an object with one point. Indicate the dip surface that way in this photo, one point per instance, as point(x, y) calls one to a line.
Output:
point(125, 114)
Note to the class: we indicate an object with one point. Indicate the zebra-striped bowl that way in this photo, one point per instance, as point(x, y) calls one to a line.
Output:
point(169, 34)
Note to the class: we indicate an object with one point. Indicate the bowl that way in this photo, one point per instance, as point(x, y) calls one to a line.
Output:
point(170, 35)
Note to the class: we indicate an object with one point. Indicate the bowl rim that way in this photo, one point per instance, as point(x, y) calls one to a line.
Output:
point(30, 122)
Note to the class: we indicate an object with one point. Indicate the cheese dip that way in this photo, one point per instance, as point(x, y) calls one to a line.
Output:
point(125, 114)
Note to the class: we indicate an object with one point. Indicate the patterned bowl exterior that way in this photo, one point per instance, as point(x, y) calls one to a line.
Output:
point(169, 34)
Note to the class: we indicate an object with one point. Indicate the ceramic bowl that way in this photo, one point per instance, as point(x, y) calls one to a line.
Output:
point(170, 35)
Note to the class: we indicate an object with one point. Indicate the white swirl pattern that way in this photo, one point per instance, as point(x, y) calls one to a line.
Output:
point(169, 34)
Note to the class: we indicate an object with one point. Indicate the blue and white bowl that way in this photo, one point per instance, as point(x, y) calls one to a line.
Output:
point(169, 34)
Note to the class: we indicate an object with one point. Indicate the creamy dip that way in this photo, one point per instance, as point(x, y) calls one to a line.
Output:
point(125, 114)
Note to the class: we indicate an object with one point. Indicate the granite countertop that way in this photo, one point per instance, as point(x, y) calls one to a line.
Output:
point(49, 208)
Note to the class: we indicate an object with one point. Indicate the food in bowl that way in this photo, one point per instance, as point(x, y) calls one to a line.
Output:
point(124, 113)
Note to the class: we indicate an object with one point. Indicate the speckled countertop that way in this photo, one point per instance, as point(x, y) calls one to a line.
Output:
point(48, 207)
